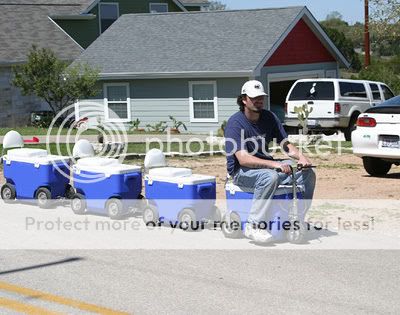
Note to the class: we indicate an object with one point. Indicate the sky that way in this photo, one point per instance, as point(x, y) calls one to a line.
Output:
point(351, 10)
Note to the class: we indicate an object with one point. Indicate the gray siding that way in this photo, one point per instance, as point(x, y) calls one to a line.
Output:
point(153, 101)
point(15, 108)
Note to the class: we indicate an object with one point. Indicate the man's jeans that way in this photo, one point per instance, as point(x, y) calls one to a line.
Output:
point(264, 182)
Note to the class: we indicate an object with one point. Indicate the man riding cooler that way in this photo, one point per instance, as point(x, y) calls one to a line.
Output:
point(247, 135)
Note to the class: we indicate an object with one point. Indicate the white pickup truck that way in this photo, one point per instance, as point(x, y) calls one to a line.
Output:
point(336, 103)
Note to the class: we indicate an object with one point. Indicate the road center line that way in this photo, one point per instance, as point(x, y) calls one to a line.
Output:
point(58, 299)
point(24, 308)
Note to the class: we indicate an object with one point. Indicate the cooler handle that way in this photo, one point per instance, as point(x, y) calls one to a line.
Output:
point(204, 187)
point(128, 177)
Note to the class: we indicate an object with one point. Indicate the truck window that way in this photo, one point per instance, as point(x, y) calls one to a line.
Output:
point(313, 91)
point(349, 89)
point(387, 93)
point(376, 95)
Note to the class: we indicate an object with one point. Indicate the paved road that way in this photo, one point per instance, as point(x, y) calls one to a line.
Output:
point(206, 274)
point(208, 282)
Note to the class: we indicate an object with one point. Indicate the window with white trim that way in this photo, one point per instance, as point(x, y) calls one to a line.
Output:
point(203, 101)
point(158, 7)
point(109, 13)
point(117, 102)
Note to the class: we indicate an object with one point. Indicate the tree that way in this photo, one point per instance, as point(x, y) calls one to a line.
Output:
point(50, 78)
point(345, 46)
point(385, 18)
point(334, 15)
point(383, 71)
point(216, 5)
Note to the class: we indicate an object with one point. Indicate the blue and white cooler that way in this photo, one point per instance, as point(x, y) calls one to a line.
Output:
point(33, 173)
point(176, 194)
point(105, 186)
point(239, 202)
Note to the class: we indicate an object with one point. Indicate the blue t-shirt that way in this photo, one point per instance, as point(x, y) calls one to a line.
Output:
point(242, 134)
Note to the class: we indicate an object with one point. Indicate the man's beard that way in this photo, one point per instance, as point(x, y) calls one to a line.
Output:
point(255, 110)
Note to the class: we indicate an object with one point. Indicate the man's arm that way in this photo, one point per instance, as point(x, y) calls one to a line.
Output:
point(247, 160)
point(294, 153)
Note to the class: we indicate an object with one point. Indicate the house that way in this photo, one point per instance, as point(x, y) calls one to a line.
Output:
point(66, 27)
point(97, 15)
point(192, 65)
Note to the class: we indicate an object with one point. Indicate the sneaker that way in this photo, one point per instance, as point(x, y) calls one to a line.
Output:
point(257, 235)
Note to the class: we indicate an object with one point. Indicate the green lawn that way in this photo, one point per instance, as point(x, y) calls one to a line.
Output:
point(138, 148)
point(34, 131)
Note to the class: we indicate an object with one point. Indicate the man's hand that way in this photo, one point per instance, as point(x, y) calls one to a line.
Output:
point(285, 168)
point(304, 161)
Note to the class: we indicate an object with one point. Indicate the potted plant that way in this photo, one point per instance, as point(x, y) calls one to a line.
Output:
point(134, 125)
point(158, 128)
point(176, 125)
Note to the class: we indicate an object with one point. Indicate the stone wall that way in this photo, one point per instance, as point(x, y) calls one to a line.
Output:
point(15, 108)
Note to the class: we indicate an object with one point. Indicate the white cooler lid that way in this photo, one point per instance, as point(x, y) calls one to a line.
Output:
point(193, 179)
point(170, 172)
point(105, 166)
point(34, 156)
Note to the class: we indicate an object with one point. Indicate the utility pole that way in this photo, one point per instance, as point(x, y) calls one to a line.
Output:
point(366, 35)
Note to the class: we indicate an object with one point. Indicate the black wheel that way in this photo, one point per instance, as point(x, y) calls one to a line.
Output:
point(115, 209)
point(231, 225)
point(296, 234)
point(187, 219)
point(69, 192)
point(43, 196)
point(351, 127)
point(8, 193)
point(375, 166)
point(150, 215)
point(78, 204)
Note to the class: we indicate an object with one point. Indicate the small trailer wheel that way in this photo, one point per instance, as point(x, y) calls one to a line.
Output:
point(150, 215)
point(78, 204)
point(8, 193)
point(43, 196)
point(187, 219)
point(69, 192)
point(231, 225)
point(296, 235)
point(115, 209)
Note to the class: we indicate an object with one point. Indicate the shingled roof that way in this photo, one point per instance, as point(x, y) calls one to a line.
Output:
point(27, 22)
point(200, 42)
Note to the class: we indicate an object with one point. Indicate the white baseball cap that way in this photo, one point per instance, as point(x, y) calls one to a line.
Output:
point(253, 88)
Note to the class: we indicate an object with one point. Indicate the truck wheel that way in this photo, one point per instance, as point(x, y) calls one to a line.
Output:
point(375, 166)
point(150, 216)
point(351, 127)
point(115, 209)
point(8, 193)
point(231, 225)
point(78, 204)
point(43, 196)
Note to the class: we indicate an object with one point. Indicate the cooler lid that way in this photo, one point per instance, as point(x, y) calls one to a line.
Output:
point(26, 153)
point(193, 179)
point(170, 172)
point(34, 156)
point(97, 161)
point(105, 166)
